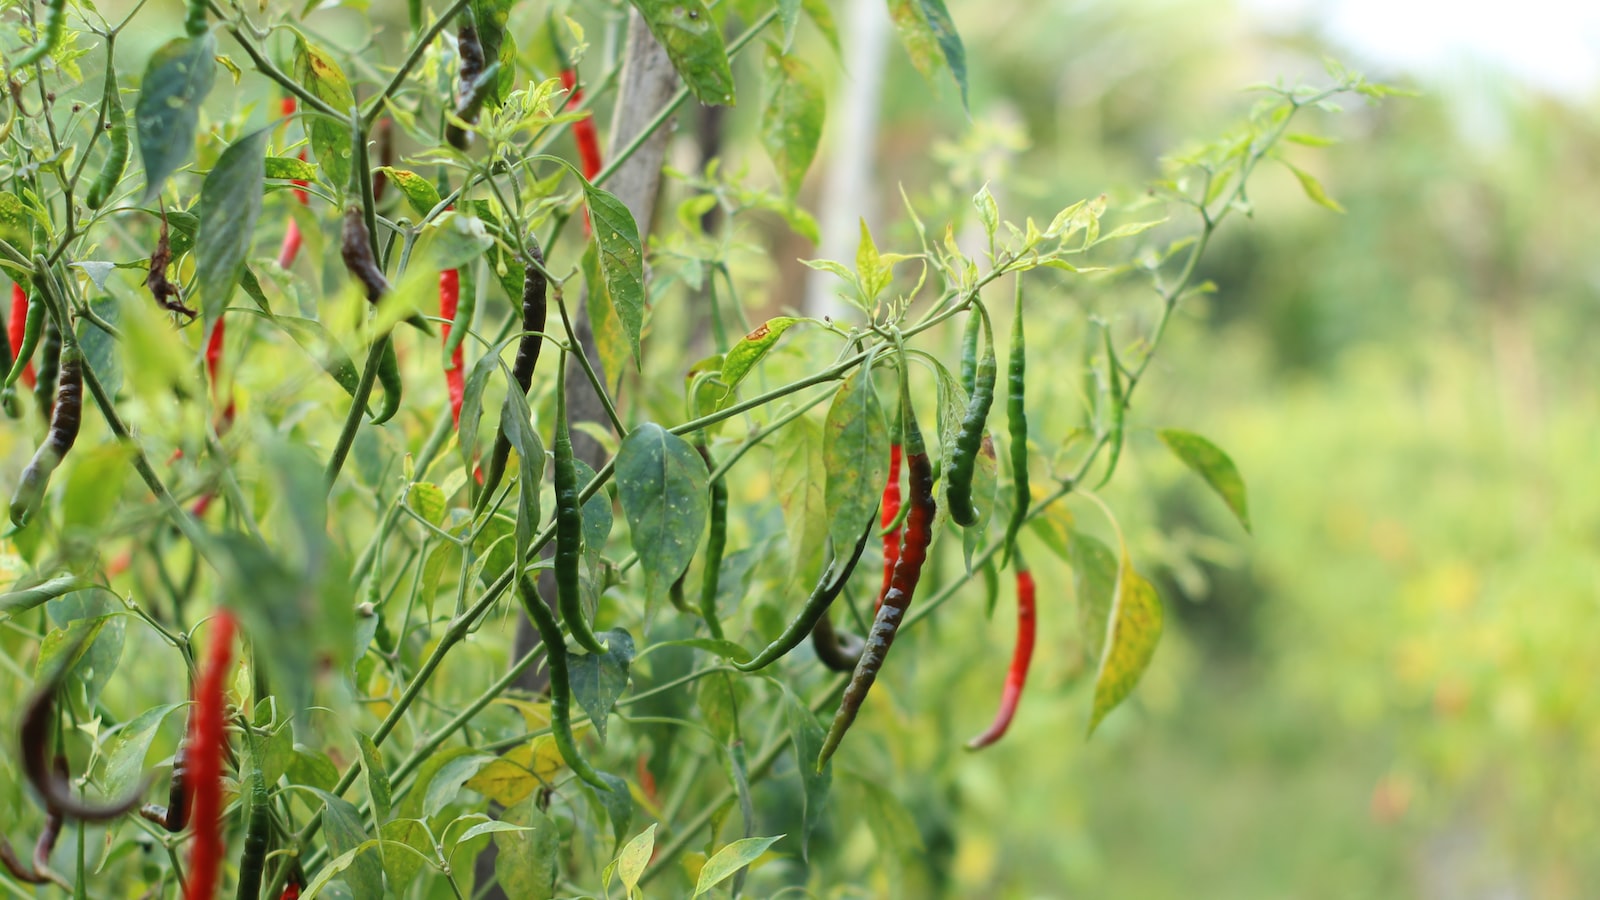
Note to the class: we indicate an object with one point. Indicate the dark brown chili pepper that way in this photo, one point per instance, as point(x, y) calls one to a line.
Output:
point(918, 534)
point(44, 390)
point(534, 307)
point(65, 420)
point(839, 652)
point(165, 292)
point(175, 815)
point(355, 247)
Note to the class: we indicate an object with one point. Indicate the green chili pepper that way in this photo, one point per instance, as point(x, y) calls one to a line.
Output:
point(194, 24)
point(117, 130)
point(918, 535)
point(555, 649)
point(389, 378)
point(49, 370)
point(716, 543)
point(50, 30)
point(258, 831)
point(969, 353)
point(64, 422)
point(961, 458)
point(534, 306)
point(816, 606)
point(30, 339)
point(569, 527)
point(1017, 428)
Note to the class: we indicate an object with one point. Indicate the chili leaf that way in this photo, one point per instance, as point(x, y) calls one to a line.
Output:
point(1132, 633)
point(330, 138)
point(377, 777)
point(791, 117)
point(526, 863)
point(855, 455)
point(693, 41)
point(944, 31)
point(663, 485)
point(342, 822)
point(621, 261)
point(230, 204)
point(176, 81)
point(731, 859)
point(1210, 462)
point(807, 735)
point(598, 680)
point(799, 474)
point(743, 356)
point(420, 192)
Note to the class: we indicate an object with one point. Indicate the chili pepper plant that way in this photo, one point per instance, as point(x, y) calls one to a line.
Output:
point(320, 299)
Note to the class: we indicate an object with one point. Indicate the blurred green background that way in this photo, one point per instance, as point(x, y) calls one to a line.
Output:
point(1386, 691)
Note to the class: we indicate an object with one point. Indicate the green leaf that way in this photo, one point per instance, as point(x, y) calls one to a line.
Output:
point(917, 36)
point(420, 192)
point(984, 479)
point(789, 18)
point(341, 821)
point(94, 483)
point(377, 777)
point(693, 41)
point(618, 804)
point(855, 456)
point(1132, 633)
point(1313, 188)
point(663, 485)
point(597, 519)
point(176, 81)
point(1094, 583)
point(1209, 462)
point(944, 32)
point(598, 680)
point(517, 419)
point(731, 859)
point(807, 735)
point(400, 867)
point(16, 226)
point(526, 863)
point(126, 751)
point(799, 476)
point(822, 17)
point(750, 349)
point(635, 856)
point(287, 168)
point(621, 261)
point(100, 350)
point(717, 699)
point(791, 117)
point(454, 240)
point(330, 138)
point(230, 203)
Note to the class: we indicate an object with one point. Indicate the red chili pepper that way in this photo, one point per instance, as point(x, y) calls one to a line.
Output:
point(291, 891)
point(291, 235)
point(208, 743)
point(583, 131)
point(1021, 656)
point(454, 374)
point(17, 325)
point(891, 512)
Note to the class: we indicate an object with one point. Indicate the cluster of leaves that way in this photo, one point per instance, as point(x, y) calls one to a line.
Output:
point(347, 645)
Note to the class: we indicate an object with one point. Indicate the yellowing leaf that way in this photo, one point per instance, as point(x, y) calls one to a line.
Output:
point(1132, 632)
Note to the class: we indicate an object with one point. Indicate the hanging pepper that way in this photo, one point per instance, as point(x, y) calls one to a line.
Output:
point(290, 248)
point(208, 742)
point(837, 651)
point(48, 775)
point(1017, 428)
point(25, 327)
point(194, 23)
point(583, 131)
point(555, 647)
point(49, 33)
point(890, 521)
point(473, 84)
point(907, 572)
point(65, 420)
point(355, 248)
point(534, 308)
point(175, 815)
point(962, 455)
point(814, 609)
point(39, 872)
point(117, 131)
point(49, 370)
point(257, 834)
point(569, 527)
point(454, 375)
point(716, 544)
point(1017, 675)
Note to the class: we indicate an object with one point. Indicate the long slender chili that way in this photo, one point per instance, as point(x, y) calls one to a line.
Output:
point(65, 420)
point(117, 130)
point(49, 33)
point(49, 370)
point(534, 307)
point(48, 776)
point(355, 248)
point(454, 376)
point(1017, 428)
point(389, 379)
point(26, 325)
point(816, 606)
point(569, 527)
point(913, 553)
point(257, 834)
point(1017, 675)
point(839, 652)
point(716, 544)
point(175, 815)
point(469, 81)
point(890, 516)
point(961, 458)
point(290, 248)
point(555, 648)
point(208, 740)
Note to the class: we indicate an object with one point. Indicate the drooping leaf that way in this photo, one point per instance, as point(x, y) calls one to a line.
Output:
point(420, 193)
point(621, 261)
point(126, 751)
point(230, 204)
point(750, 349)
point(346, 833)
point(792, 116)
point(1132, 633)
point(944, 32)
point(855, 454)
point(1210, 462)
point(693, 41)
point(806, 733)
point(100, 349)
point(176, 81)
point(799, 478)
point(377, 777)
point(917, 36)
point(599, 679)
point(663, 485)
point(526, 863)
point(330, 138)
point(731, 859)
point(984, 479)
point(1094, 583)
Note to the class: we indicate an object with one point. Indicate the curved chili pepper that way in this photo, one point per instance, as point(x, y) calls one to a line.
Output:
point(389, 379)
point(117, 131)
point(257, 834)
point(1017, 675)
point(890, 516)
point(65, 420)
point(569, 527)
point(907, 572)
point(49, 776)
point(555, 648)
point(17, 868)
point(454, 374)
point(716, 544)
point(534, 308)
point(49, 33)
point(839, 652)
point(194, 22)
point(208, 740)
point(816, 606)
point(471, 86)
point(44, 389)
point(175, 815)
point(1017, 429)
point(26, 325)
point(962, 456)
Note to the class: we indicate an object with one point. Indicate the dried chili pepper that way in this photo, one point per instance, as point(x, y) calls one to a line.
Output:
point(839, 652)
point(907, 572)
point(49, 33)
point(117, 131)
point(165, 292)
point(26, 325)
point(716, 543)
point(890, 518)
point(962, 456)
point(534, 308)
point(1017, 675)
point(816, 606)
point(1017, 429)
point(355, 248)
point(64, 423)
point(569, 527)
point(208, 742)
